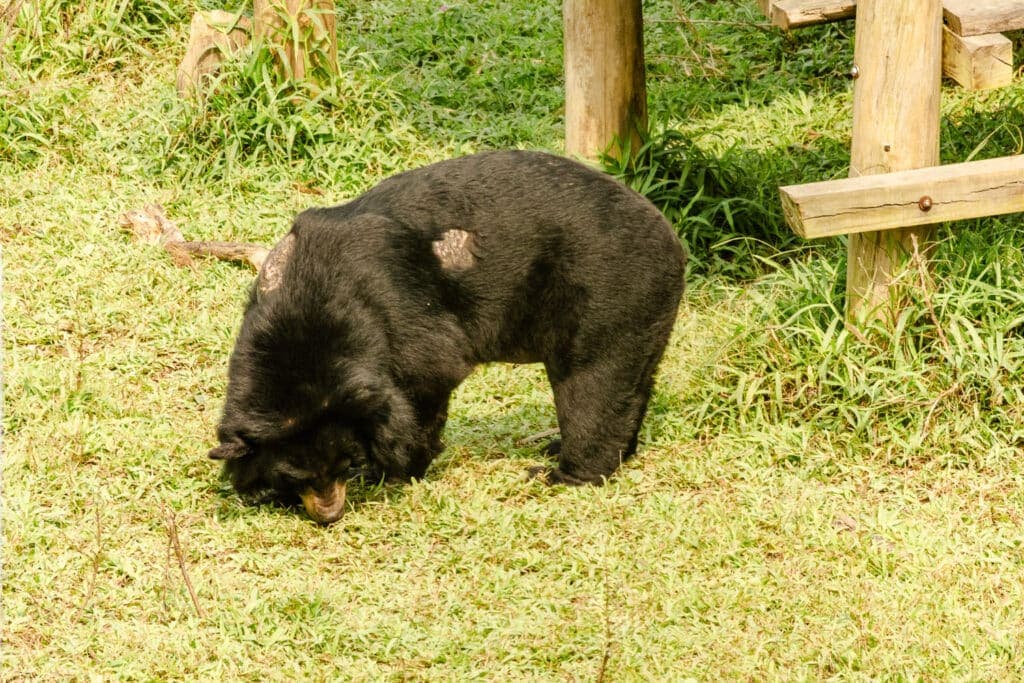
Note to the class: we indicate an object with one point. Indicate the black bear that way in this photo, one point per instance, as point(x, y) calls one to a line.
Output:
point(366, 316)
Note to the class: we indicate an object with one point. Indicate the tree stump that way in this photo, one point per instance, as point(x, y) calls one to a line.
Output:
point(214, 36)
point(302, 36)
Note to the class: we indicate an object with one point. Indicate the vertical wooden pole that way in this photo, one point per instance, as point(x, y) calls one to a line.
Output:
point(302, 34)
point(898, 62)
point(605, 91)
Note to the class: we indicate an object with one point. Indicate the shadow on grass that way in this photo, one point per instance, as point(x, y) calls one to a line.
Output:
point(726, 208)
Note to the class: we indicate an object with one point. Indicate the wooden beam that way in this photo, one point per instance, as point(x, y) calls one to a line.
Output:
point(605, 91)
point(791, 14)
point(906, 198)
point(977, 17)
point(964, 17)
point(898, 54)
point(977, 62)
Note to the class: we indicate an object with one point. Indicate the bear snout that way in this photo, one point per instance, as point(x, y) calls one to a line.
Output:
point(325, 506)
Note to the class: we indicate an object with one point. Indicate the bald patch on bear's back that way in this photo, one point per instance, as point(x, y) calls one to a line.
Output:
point(454, 249)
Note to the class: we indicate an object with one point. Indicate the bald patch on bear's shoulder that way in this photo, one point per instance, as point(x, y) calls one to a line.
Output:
point(454, 249)
point(272, 270)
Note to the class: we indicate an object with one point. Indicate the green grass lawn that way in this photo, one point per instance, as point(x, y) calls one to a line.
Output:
point(810, 501)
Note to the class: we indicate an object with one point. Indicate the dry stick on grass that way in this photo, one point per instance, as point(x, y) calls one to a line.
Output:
point(172, 531)
point(96, 558)
point(151, 225)
point(926, 288)
point(537, 437)
point(602, 668)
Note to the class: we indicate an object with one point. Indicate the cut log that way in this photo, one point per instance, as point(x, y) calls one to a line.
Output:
point(605, 92)
point(977, 62)
point(213, 36)
point(907, 198)
point(150, 225)
point(977, 17)
point(302, 35)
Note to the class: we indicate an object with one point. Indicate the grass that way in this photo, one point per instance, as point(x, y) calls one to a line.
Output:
point(810, 501)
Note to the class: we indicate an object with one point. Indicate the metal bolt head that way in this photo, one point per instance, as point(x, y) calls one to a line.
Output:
point(924, 203)
point(854, 72)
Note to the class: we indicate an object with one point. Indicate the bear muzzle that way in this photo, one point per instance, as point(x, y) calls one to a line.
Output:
point(326, 506)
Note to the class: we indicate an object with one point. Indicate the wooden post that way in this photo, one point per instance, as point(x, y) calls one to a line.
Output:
point(302, 34)
point(898, 63)
point(605, 92)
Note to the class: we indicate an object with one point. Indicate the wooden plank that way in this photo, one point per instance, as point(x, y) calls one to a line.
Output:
point(972, 189)
point(791, 14)
point(964, 17)
point(974, 62)
point(977, 17)
point(977, 62)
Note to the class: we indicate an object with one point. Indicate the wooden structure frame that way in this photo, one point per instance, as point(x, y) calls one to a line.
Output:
point(896, 191)
point(937, 194)
point(974, 53)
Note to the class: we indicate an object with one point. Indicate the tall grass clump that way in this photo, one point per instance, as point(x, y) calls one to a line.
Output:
point(990, 125)
point(251, 116)
point(941, 383)
point(481, 74)
point(37, 121)
point(728, 55)
point(48, 37)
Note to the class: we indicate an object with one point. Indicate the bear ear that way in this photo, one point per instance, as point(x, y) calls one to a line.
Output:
point(272, 270)
point(231, 450)
point(364, 392)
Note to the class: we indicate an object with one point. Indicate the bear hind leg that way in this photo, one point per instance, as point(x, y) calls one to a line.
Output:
point(600, 410)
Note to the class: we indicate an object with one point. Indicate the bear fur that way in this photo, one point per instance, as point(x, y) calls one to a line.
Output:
point(367, 316)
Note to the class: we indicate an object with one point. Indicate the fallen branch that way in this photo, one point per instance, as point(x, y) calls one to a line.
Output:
point(526, 440)
point(150, 225)
point(96, 559)
point(172, 531)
